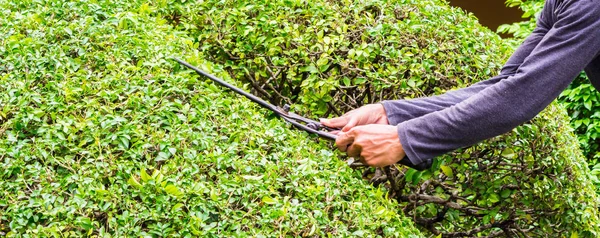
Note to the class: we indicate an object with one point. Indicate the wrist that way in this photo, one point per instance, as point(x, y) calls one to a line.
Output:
point(383, 114)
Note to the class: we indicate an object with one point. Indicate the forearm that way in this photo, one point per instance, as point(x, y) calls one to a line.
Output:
point(398, 111)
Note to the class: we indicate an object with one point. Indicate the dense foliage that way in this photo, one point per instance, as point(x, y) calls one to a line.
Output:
point(581, 99)
point(101, 135)
point(330, 56)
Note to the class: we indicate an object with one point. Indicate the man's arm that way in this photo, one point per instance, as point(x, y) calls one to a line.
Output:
point(562, 53)
point(399, 111)
point(545, 21)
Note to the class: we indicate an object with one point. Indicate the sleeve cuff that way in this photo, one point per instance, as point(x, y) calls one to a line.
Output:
point(387, 106)
point(406, 146)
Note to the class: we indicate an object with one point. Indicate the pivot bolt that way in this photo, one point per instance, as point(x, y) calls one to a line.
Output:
point(313, 126)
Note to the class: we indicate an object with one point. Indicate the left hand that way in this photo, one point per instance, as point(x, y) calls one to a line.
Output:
point(375, 145)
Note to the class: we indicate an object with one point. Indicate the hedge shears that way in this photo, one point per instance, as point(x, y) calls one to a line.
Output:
point(300, 122)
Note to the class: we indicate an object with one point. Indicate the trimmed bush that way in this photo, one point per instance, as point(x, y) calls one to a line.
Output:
point(331, 56)
point(101, 135)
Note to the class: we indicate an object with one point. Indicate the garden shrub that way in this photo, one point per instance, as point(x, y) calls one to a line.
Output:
point(582, 101)
point(102, 135)
point(331, 56)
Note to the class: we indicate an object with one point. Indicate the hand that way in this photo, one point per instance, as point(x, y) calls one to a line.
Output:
point(374, 145)
point(365, 115)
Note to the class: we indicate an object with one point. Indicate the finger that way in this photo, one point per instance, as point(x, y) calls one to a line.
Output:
point(351, 124)
point(343, 141)
point(349, 113)
point(354, 150)
point(337, 122)
point(335, 132)
point(376, 162)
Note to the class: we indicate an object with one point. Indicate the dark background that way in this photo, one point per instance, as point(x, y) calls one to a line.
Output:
point(491, 13)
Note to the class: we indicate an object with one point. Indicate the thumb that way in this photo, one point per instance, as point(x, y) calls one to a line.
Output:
point(337, 122)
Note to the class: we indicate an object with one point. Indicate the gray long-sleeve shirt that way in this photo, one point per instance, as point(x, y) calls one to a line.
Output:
point(565, 42)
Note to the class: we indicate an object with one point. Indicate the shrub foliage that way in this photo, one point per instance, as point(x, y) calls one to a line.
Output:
point(331, 56)
point(101, 135)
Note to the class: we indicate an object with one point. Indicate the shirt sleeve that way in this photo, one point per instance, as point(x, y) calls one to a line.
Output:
point(544, 23)
point(398, 111)
point(568, 47)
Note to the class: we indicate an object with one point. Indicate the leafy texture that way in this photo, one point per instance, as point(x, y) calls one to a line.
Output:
point(331, 56)
point(102, 135)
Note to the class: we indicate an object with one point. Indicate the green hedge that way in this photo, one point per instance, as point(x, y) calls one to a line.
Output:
point(102, 135)
point(330, 56)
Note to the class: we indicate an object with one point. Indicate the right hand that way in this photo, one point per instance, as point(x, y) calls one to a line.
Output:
point(365, 115)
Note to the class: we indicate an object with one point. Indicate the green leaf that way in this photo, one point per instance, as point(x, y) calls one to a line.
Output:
point(505, 193)
point(124, 142)
point(214, 195)
point(269, 200)
point(493, 198)
point(172, 190)
point(416, 178)
point(176, 207)
point(85, 223)
point(508, 153)
point(359, 80)
point(145, 177)
point(351, 53)
point(133, 182)
point(346, 81)
point(447, 171)
point(311, 68)
point(380, 210)
point(409, 175)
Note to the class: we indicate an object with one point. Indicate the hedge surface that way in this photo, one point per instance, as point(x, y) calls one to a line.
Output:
point(330, 56)
point(102, 135)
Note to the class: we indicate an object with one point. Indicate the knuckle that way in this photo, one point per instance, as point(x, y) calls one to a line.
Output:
point(353, 131)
